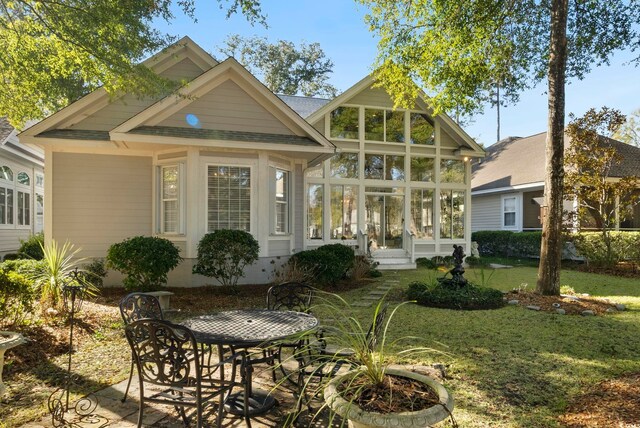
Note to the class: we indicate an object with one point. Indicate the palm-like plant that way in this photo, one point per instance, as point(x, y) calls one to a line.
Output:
point(59, 262)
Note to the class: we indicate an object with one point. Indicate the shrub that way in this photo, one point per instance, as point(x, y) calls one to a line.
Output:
point(325, 264)
point(362, 268)
point(468, 297)
point(504, 243)
point(11, 256)
point(31, 248)
point(343, 253)
point(293, 272)
point(25, 267)
point(591, 246)
point(426, 263)
point(475, 261)
point(223, 255)
point(95, 272)
point(145, 260)
point(16, 297)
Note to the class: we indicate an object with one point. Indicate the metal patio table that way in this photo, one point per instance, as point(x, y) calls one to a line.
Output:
point(240, 329)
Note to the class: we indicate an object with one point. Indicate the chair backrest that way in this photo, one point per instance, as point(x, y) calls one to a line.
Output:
point(165, 353)
point(376, 328)
point(292, 296)
point(137, 306)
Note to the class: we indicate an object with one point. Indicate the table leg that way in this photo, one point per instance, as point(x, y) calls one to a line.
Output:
point(258, 401)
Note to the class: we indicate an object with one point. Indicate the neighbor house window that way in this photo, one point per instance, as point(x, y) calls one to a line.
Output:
point(344, 123)
point(344, 212)
point(422, 213)
point(422, 131)
point(422, 169)
point(344, 165)
point(228, 198)
point(451, 214)
point(509, 207)
point(384, 125)
point(314, 210)
point(384, 167)
point(282, 201)
point(452, 171)
point(170, 201)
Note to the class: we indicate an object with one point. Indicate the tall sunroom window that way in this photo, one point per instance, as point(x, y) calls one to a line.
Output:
point(228, 198)
point(344, 165)
point(384, 125)
point(344, 212)
point(422, 130)
point(452, 214)
point(452, 171)
point(344, 123)
point(315, 198)
point(422, 213)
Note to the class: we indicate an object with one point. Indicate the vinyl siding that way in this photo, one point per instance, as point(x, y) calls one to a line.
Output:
point(115, 113)
point(228, 107)
point(10, 239)
point(184, 69)
point(100, 200)
point(279, 247)
point(372, 97)
point(447, 141)
point(485, 213)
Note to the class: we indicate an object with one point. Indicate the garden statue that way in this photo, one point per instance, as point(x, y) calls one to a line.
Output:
point(474, 249)
point(457, 279)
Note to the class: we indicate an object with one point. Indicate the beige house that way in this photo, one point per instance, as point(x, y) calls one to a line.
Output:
point(21, 189)
point(508, 184)
point(226, 153)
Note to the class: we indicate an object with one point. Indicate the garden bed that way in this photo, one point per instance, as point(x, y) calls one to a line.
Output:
point(572, 305)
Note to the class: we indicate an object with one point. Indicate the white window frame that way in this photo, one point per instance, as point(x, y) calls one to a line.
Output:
point(180, 199)
point(252, 196)
point(25, 221)
point(38, 225)
point(286, 202)
point(516, 211)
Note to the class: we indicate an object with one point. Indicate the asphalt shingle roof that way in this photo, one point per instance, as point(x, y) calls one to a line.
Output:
point(304, 106)
point(517, 161)
point(5, 129)
point(76, 134)
point(215, 134)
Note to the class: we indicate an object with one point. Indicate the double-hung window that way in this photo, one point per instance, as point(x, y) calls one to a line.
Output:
point(509, 212)
point(228, 198)
point(282, 202)
point(170, 202)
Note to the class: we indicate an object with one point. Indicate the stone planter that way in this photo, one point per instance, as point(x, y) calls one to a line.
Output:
point(359, 418)
point(8, 340)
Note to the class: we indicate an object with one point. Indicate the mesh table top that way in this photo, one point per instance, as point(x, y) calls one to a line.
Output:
point(249, 327)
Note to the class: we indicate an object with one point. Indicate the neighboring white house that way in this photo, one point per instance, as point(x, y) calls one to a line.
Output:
point(21, 189)
point(295, 172)
point(507, 186)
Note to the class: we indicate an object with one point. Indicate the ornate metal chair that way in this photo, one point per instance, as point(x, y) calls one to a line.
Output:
point(168, 362)
point(290, 296)
point(134, 307)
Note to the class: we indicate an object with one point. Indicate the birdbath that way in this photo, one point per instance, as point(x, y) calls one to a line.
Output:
point(8, 340)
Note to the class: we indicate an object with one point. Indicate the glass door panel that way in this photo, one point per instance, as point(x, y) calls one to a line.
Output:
point(384, 216)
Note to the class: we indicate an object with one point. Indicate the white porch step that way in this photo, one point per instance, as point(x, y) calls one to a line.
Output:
point(394, 263)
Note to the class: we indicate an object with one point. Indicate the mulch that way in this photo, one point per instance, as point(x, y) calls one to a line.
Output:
point(612, 403)
point(571, 306)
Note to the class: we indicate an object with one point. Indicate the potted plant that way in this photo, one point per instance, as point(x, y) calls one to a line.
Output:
point(372, 394)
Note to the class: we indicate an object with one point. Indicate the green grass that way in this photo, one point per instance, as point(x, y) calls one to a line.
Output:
point(516, 368)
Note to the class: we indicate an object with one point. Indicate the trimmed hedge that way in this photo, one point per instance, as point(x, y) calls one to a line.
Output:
point(625, 246)
point(469, 297)
point(32, 247)
point(504, 243)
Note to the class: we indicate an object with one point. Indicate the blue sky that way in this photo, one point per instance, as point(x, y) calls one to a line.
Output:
point(339, 27)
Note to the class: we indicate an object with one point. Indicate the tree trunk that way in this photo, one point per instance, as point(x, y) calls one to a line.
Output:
point(551, 247)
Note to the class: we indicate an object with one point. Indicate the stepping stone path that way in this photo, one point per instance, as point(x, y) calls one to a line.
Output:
point(388, 282)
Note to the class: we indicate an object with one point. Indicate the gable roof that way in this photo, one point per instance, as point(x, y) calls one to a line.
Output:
point(9, 142)
point(90, 103)
point(473, 149)
point(5, 129)
point(517, 161)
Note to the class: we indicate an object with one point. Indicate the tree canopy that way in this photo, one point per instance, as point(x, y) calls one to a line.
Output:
point(53, 52)
point(460, 51)
point(590, 161)
point(282, 66)
point(629, 132)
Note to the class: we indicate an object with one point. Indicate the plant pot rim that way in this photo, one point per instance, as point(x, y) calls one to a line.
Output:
point(420, 418)
point(10, 339)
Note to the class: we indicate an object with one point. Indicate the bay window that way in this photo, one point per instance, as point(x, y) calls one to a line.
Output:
point(282, 202)
point(170, 200)
point(228, 198)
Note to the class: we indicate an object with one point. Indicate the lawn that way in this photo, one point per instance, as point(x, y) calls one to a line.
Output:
point(509, 367)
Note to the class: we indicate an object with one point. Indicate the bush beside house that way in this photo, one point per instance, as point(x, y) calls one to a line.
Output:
point(504, 243)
